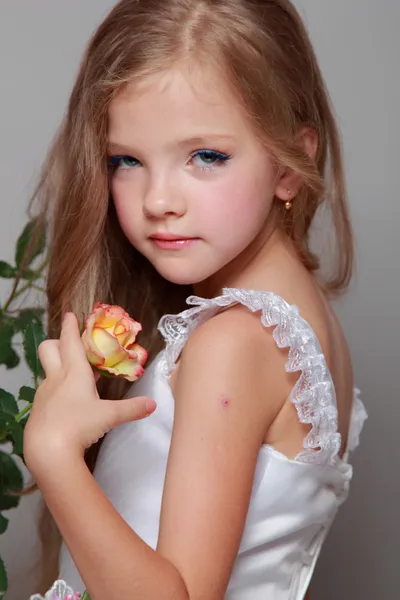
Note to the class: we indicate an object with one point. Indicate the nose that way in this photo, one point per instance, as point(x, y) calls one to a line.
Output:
point(162, 200)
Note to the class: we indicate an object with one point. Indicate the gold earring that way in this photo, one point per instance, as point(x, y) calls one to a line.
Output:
point(289, 203)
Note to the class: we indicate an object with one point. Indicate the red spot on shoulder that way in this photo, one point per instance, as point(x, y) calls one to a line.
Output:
point(224, 401)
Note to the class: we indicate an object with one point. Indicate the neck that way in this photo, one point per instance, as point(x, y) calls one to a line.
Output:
point(245, 270)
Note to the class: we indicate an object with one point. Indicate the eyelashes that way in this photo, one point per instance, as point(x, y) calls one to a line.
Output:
point(210, 158)
point(206, 160)
point(122, 162)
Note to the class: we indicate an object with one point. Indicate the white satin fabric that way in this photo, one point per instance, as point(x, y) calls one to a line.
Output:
point(293, 502)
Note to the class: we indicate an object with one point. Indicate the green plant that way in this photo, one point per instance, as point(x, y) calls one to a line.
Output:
point(21, 331)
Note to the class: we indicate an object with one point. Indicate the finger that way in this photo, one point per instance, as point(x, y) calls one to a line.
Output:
point(71, 348)
point(131, 409)
point(49, 355)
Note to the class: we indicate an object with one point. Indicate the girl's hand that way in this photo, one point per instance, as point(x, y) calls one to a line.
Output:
point(68, 415)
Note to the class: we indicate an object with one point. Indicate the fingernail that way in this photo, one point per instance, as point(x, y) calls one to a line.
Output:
point(150, 405)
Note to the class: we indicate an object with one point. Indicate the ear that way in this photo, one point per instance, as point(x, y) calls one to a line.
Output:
point(290, 182)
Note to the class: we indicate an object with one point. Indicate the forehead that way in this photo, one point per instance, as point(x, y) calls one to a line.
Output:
point(180, 101)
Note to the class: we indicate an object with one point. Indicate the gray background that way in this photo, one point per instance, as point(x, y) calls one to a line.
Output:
point(358, 45)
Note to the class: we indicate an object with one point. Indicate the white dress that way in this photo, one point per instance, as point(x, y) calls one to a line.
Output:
point(293, 501)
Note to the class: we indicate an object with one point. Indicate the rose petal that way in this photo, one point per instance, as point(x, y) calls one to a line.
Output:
point(130, 324)
point(129, 369)
point(119, 329)
point(140, 352)
point(113, 314)
point(123, 338)
point(108, 346)
point(129, 329)
point(92, 353)
point(94, 316)
point(127, 339)
point(107, 315)
point(126, 331)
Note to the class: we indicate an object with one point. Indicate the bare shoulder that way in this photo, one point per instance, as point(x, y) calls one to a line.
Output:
point(236, 357)
point(234, 330)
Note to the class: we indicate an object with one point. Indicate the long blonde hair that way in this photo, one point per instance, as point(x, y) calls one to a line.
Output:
point(262, 47)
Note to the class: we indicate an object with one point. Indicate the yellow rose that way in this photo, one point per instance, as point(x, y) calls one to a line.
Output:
point(109, 340)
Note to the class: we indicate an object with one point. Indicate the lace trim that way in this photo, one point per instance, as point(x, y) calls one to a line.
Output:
point(59, 591)
point(358, 418)
point(313, 395)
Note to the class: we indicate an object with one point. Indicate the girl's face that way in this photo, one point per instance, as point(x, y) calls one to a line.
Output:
point(191, 183)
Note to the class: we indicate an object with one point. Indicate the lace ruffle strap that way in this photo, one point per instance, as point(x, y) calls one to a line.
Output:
point(358, 418)
point(314, 393)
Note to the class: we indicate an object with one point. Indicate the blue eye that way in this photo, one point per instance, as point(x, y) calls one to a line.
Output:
point(208, 159)
point(122, 162)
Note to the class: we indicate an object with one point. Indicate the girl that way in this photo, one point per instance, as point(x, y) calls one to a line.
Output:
point(198, 145)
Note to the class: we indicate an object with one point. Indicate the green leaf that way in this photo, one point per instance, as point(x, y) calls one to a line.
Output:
point(8, 502)
point(11, 479)
point(5, 419)
point(8, 356)
point(8, 403)
point(27, 316)
point(3, 577)
point(6, 332)
point(9, 322)
point(85, 595)
point(26, 393)
point(3, 524)
point(29, 232)
point(30, 275)
point(17, 437)
point(33, 336)
point(24, 421)
point(7, 271)
point(12, 360)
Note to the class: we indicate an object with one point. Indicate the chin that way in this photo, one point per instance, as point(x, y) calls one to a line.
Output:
point(181, 276)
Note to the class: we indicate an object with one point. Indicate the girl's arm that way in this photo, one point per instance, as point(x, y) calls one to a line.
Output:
point(228, 391)
point(229, 387)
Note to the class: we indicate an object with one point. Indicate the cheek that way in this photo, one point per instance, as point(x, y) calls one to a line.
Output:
point(237, 205)
point(128, 212)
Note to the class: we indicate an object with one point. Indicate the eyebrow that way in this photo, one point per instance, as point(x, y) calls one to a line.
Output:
point(199, 141)
point(206, 139)
point(119, 148)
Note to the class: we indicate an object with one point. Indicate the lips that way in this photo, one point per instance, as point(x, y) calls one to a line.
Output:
point(168, 237)
point(168, 241)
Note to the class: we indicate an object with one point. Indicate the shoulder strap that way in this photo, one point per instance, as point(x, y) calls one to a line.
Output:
point(358, 417)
